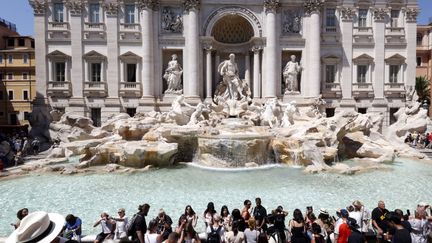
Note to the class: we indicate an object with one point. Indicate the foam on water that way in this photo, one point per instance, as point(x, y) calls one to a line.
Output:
point(173, 188)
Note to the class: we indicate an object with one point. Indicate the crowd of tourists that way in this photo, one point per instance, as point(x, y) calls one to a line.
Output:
point(14, 147)
point(251, 224)
point(419, 140)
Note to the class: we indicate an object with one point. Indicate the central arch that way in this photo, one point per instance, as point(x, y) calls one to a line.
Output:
point(235, 12)
point(232, 29)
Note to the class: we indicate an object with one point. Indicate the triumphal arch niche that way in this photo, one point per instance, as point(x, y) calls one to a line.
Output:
point(233, 30)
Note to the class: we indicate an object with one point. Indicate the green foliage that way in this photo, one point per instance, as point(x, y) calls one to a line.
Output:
point(422, 87)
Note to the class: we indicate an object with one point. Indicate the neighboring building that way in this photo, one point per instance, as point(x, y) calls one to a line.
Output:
point(424, 51)
point(98, 58)
point(17, 76)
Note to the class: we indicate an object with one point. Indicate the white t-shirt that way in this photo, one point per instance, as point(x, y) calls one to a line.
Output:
point(231, 238)
point(150, 237)
point(251, 235)
point(121, 228)
point(338, 223)
point(357, 216)
point(106, 226)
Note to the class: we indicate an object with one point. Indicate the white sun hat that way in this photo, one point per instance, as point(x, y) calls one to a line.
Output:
point(38, 227)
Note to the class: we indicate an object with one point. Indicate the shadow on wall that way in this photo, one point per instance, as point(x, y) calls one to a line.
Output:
point(40, 120)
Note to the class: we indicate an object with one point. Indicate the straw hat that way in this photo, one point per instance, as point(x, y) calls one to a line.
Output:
point(38, 227)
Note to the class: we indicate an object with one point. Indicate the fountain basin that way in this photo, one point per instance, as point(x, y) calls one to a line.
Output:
point(235, 143)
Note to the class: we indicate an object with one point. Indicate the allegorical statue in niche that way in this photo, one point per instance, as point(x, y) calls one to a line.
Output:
point(290, 74)
point(229, 71)
point(173, 75)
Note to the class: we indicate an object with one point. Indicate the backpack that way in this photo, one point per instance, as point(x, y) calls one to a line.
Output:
point(213, 236)
point(130, 226)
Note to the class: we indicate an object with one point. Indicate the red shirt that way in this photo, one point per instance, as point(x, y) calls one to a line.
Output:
point(344, 233)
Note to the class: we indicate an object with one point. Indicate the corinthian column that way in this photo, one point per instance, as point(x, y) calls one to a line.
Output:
point(209, 73)
point(311, 88)
point(147, 7)
point(272, 50)
point(191, 49)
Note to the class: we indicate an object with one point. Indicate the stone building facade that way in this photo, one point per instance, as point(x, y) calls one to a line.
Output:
point(424, 51)
point(96, 58)
point(17, 76)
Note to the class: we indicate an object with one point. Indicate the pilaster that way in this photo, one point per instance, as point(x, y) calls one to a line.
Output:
point(410, 36)
point(272, 53)
point(347, 15)
point(191, 49)
point(380, 15)
point(76, 67)
point(113, 76)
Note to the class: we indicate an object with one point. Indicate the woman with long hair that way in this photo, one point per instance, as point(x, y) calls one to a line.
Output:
point(191, 216)
point(236, 217)
point(226, 218)
point(297, 226)
point(208, 214)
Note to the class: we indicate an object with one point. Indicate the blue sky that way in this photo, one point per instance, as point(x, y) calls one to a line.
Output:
point(20, 13)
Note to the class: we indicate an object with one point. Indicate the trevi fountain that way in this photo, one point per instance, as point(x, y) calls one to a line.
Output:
point(225, 150)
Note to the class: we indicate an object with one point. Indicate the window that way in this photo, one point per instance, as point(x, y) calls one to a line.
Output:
point(25, 58)
point(32, 44)
point(60, 72)
point(131, 111)
point(330, 112)
point(394, 71)
point(96, 116)
point(419, 61)
point(10, 94)
point(361, 73)
point(95, 72)
point(130, 14)
point(331, 20)
point(131, 73)
point(394, 18)
point(392, 116)
point(1, 76)
point(419, 39)
point(11, 42)
point(13, 119)
point(21, 42)
point(1, 95)
point(10, 59)
point(24, 76)
point(362, 18)
point(1, 58)
point(25, 95)
point(9, 76)
point(330, 73)
point(362, 110)
point(94, 13)
point(26, 115)
point(58, 12)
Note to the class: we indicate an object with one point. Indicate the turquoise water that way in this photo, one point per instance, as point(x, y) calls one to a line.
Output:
point(86, 196)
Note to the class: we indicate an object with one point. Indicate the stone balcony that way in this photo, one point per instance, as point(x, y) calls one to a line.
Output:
point(94, 31)
point(130, 32)
point(363, 35)
point(394, 90)
point(95, 89)
point(59, 89)
point(130, 89)
point(362, 90)
point(331, 90)
point(58, 31)
point(395, 35)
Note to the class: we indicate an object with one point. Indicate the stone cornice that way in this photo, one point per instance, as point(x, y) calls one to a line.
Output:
point(189, 5)
point(347, 13)
point(111, 8)
point(271, 6)
point(411, 14)
point(149, 4)
point(75, 6)
point(39, 6)
point(380, 14)
point(312, 6)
